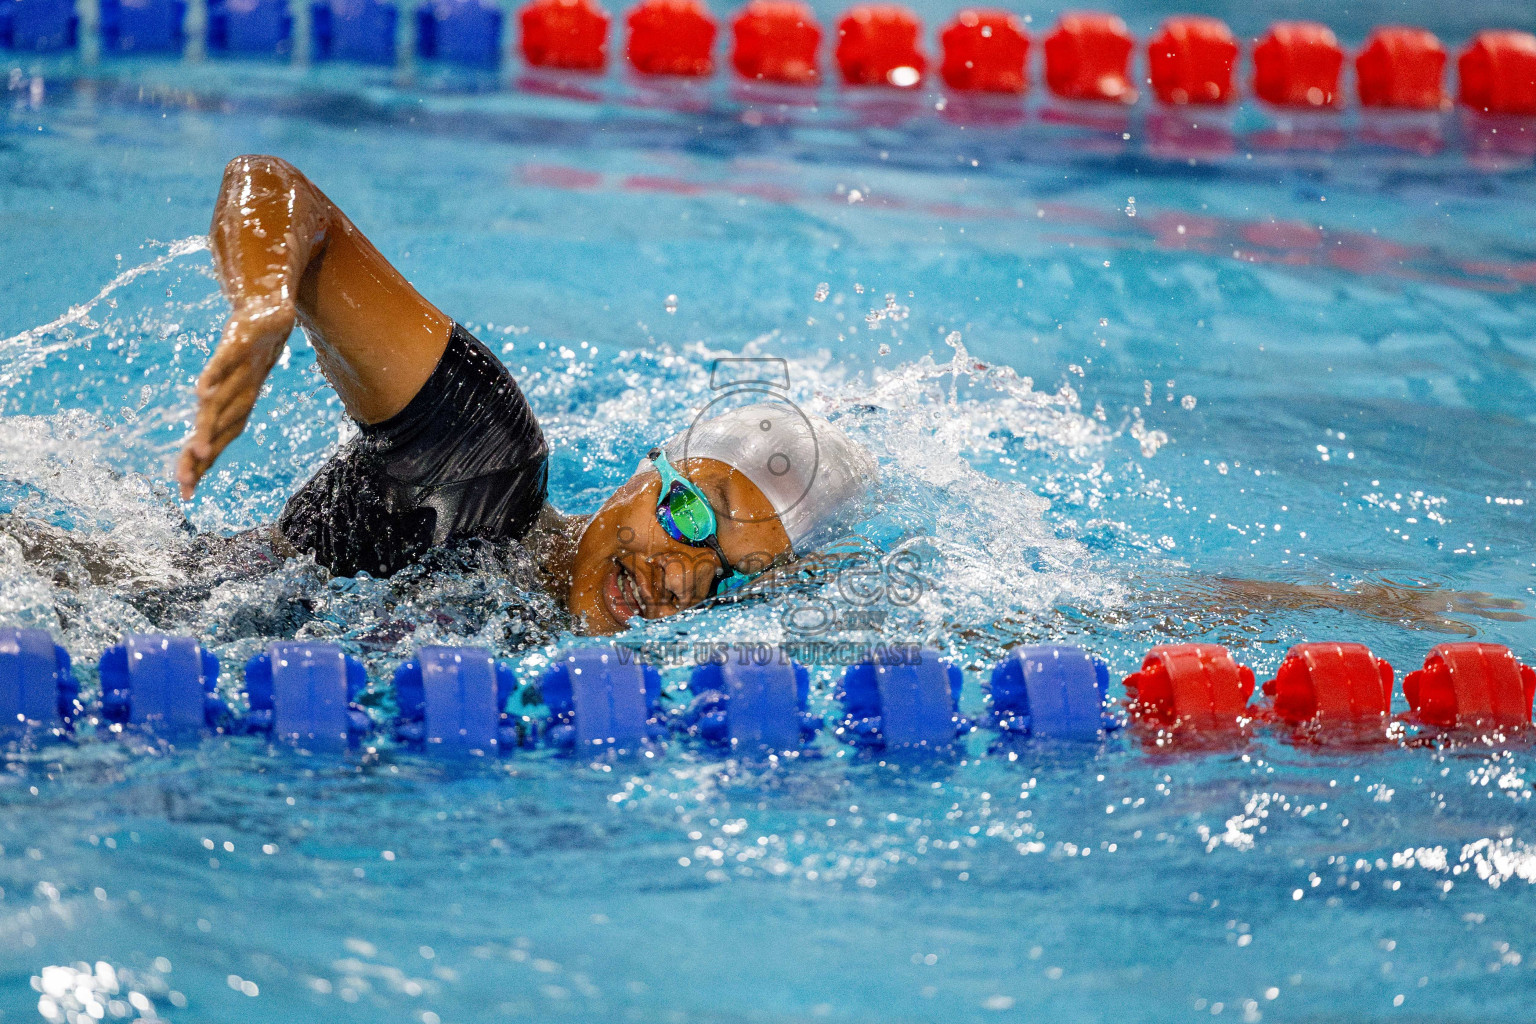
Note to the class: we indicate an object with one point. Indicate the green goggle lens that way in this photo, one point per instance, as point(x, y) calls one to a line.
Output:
point(685, 515)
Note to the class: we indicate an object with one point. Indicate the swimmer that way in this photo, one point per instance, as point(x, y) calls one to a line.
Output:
point(449, 448)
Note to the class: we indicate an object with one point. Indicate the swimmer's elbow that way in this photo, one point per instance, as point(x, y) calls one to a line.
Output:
point(257, 185)
point(255, 166)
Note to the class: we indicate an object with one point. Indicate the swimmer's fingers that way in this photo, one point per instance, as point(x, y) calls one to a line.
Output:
point(217, 425)
point(1475, 599)
point(220, 419)
point(200, 452)
point(191, 464)
point(1502, 616)
point(221, 401)
point(1486, 606)
point(1441, 624)
point(228, 388)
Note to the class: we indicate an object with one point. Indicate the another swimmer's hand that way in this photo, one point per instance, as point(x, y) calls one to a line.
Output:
point(1429, 605)
point(1416, 605)
point(230, 384)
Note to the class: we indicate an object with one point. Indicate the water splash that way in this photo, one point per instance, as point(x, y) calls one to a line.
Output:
point(989, 562)
point(32, 347)
point(98, 545)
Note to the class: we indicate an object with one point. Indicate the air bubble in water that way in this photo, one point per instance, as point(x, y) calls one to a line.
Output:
point(822, 291)
point(1103, 321)
point(671, 304)
point(1188, 402)
point(884, 349)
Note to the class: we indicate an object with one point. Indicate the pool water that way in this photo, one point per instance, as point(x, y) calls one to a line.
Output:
point(1117, 400)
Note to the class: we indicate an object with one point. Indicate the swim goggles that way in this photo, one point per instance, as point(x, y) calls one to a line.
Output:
point(688, 517)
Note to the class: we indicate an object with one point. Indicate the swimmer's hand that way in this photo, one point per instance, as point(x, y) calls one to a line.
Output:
point(229, 385)
point(284, 252)
point(1416, 605)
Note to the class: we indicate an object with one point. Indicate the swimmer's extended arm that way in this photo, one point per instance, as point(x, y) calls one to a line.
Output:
point(286, 254)
point(1205, 603)
point(1415, 605)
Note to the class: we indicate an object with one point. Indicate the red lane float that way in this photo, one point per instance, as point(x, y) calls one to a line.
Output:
point(1498, 73)
point(1333, 684)
point(776, 41)
point(1190, 61)
point(1401, 67)
point(985, 51)
point(1297, 65)
point(1087, 57)
point(671, 37)
point(1470, 684)
point(878, 45)
point(569, 34)
point(1196, 685)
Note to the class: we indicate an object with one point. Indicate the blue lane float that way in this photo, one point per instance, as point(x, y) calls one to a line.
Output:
point(903, 701)
point(452, 702)
point(38, 690)
point(460, 32)
point(1050, 691)
point(38, 26)
point(255, 28)
point(751, 708)
point(356, 30)
point(601, 697)
point(305, 694)
point(142, 26)
point(165, 683)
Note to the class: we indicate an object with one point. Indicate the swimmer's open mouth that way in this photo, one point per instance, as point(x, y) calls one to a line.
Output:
point(622, 595)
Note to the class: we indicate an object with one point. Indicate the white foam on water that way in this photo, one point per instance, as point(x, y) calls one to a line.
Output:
point(67, 465)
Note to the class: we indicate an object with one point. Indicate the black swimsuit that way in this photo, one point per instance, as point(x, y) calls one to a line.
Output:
point(464, 459)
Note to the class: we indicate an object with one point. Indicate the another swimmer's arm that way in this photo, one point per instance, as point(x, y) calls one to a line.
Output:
point(286, 254)
point(1203, 603)
point(1419, 605)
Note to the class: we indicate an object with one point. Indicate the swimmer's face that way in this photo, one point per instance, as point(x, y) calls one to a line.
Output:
point(627, 565)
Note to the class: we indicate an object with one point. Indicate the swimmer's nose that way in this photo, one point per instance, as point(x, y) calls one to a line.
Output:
point(675, 578)
point(679, 581)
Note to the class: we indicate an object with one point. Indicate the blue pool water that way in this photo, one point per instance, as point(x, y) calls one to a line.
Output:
point(1098, 420)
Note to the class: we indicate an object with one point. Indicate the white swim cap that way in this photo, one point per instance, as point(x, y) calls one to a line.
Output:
point(811, 472)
